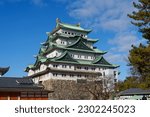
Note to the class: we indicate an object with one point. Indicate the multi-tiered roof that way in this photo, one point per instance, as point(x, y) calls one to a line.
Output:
point(79, 45)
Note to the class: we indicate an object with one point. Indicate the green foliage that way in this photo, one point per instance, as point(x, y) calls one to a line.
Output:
point(142, 17)
point(133, 82)
point(139, 58)
point(129, 82)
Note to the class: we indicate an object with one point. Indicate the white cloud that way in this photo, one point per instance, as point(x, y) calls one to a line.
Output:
point(122, 42)
point(114, 58)
point(108, 15)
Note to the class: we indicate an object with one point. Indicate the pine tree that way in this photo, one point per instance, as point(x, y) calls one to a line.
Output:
point(142, 17)
point(139, 57)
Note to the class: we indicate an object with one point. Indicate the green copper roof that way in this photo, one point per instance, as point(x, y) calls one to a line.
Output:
point(72, 27)
point(42, 50)
point(77, 49)
point(92, 40)
point(101, 60)
point(55, 46)
point(99, 51)
point(40, 59)
point(49, 40)
point(31, 66)
point(65, 57)
point(79, 44)
point(84, 61)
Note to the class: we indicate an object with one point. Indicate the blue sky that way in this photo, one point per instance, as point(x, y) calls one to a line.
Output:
point(24, 23)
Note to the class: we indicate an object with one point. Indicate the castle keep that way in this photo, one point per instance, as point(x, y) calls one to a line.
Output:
point(69, 54)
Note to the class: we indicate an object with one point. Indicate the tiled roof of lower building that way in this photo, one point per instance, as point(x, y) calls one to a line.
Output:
point(134, 91)
point(19, 84)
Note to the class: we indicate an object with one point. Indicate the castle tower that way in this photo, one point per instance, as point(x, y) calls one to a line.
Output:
point(68, 54)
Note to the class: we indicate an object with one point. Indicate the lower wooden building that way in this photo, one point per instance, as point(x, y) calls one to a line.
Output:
point(12, 88)
point(21, 89)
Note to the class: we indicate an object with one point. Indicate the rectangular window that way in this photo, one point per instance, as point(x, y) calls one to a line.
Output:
point(79, 75)
point(104, 68)
point(78, 67)
point(115, 73)
point(55, 66)
point(63, 75)
point(71, 75)
point(79, 56)
point(86, 68)
point(103, 73)
point(54, 74)
point(92, 57)
point(62, 42)
point(115, 80)
point(64, 66)
point(93, 68)
point(72, 55)
point(86, 57)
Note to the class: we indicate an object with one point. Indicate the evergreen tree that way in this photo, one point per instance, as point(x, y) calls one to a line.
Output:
point(139, 57)
point(142, 17)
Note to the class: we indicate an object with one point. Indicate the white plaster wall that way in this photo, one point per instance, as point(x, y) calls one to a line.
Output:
point(36, 80)
point(110, 72)
point(62, 41)
point(31, 72)
point(52, 54)
point(43, 67)
point(89, 56)
point(74, 32)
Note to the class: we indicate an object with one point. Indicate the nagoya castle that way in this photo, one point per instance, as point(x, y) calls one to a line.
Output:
point(69, 54)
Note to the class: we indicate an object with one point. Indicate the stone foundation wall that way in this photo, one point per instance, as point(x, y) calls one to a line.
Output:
point(67, 90)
